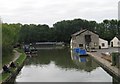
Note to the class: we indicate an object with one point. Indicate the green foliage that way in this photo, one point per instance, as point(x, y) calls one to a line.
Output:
point(34, 33)
point(106, 29)
point(10, 34)
point(60, 32)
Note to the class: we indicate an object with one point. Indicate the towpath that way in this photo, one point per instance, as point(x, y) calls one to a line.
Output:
point(97, 56)
point(16, 56)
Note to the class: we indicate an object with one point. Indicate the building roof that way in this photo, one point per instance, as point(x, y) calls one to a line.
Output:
point(103, 39)
point(118, 36)
point(79, 32)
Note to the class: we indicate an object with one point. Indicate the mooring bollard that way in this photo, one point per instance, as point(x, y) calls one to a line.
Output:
point(113, 59)
point(116, 59)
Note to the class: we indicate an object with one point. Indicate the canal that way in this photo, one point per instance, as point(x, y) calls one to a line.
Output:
point(61, 65)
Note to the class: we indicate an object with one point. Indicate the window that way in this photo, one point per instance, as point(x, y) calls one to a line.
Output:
point(80, 45)
point(103, 44)
point(87, 38)
point(118, 43)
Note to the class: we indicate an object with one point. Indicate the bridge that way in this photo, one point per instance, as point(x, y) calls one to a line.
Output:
point(49, 43)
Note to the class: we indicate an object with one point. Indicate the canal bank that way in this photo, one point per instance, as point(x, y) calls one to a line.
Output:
point(6, 77)
point(106, 65)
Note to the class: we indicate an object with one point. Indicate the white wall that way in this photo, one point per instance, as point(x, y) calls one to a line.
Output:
point(116, 42)
point(73, 44)
point(102, 41)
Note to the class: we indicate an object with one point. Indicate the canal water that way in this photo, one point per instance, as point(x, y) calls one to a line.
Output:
point(61, 65)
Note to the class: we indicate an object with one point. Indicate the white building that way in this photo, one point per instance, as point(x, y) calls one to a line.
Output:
point(115, 42)
point(73, 44)
point(103, 43)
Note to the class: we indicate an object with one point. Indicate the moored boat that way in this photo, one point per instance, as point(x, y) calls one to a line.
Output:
point(80, 52)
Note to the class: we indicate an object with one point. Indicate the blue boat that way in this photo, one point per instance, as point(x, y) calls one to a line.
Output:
point(81, 52)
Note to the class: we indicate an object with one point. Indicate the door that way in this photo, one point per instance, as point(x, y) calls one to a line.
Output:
point(111, 44)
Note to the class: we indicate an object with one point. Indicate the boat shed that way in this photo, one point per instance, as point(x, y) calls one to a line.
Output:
point(85, 39)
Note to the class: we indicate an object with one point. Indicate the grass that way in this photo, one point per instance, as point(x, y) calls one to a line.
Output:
point(19, 50)
point(20, 60)
point(4, 76)
point(7, 59)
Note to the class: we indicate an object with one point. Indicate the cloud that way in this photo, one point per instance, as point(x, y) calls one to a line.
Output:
point(51, 11)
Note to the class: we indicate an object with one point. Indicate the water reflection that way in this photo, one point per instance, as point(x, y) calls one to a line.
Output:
point(62, 60)
point(59, 57)
point(61, 65)
point(84, 62)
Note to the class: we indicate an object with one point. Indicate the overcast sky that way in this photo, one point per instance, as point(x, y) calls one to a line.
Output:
point(51, 11)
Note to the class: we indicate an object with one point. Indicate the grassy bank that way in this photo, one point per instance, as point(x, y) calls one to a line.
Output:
point(7, 59)
point(20, 61)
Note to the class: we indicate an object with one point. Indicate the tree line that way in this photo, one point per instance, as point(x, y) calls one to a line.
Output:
point(10, 34)
point(60, 32)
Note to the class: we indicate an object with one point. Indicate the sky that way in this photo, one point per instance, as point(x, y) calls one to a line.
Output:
point(51, 11)
point(119, 11)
